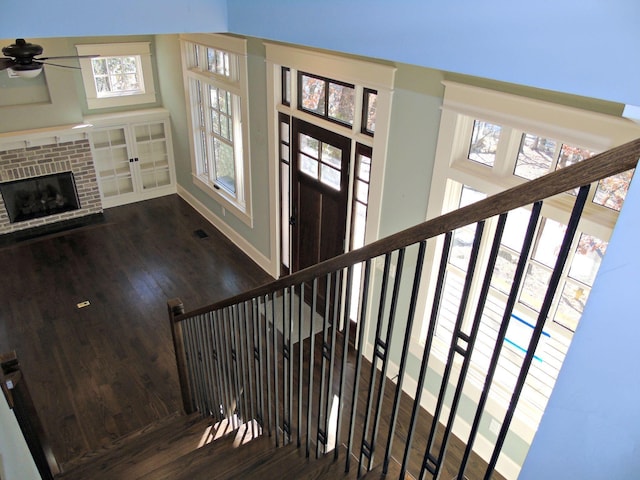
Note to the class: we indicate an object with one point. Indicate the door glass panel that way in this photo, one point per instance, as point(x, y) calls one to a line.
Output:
point(332, 155)
point(330, 176)
point(484, 143)
point(535, 156)
point(309, 166)
point(309, 146)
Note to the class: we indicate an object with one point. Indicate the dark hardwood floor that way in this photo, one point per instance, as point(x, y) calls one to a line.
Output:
point(100, 372)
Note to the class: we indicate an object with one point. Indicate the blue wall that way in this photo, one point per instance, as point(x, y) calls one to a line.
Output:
point(71, 18)
point(583, 47)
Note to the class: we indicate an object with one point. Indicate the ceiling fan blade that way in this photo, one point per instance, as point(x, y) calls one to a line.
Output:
point(6, 63)
point(65, 56)
point(58, 65)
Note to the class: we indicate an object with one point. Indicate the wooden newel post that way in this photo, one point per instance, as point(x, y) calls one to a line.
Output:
point(16, 391)
point(176, 307)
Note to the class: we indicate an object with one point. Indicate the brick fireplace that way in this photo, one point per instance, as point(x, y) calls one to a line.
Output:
point(43, 154)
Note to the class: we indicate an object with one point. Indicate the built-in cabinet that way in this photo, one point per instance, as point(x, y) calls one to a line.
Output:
point(133, 155)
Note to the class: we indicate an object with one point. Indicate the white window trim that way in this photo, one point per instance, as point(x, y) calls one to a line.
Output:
point(591, 130)
point(375, 76)
point(240, 206)
point(141, 49)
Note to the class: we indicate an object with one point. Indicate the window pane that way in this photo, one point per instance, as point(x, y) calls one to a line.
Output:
point(284, 132)
point(359, 222)
point(225, 166)
point(330, 176)
point(99, 66)
point(535, 286)
point(341, 103)
point(469, 196)
point(364, 167)
point(362, 191)
point(572, 302)
point(587, 259)
point(570, 155)
point(461, 246)
point(309, 146)
point(286, 86)
point(332, 155)
point(484, 142)
point(309, 166)
point(515, 229)
point(504, 270)
point(102, 84)
point(548, 242)
point(535, 156)
point(612, 191)
point(313, 94)
point(371, 102)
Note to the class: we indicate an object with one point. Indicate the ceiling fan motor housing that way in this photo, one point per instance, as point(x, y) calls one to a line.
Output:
point(22, 51)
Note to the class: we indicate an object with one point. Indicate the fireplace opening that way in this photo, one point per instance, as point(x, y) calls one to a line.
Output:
point(37, 197)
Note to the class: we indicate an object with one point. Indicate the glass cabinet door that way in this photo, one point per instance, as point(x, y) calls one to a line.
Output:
point(153, 156)
point(112, 161)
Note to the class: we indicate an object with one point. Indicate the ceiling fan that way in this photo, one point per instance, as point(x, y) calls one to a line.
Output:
point(20, 59)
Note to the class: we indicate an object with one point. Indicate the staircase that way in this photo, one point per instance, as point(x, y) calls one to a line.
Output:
point(192, 448)
point(326, 400)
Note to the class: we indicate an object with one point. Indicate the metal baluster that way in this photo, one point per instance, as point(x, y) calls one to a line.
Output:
point(405, 350)
point(554, 281)
point(321, 437)
point(457, 333)
point(286, 371)
point(312, 339)
point(511, 300)
point(345, 355)
point(381, 349)
point(274, 333)
point(301, 302)
point(475, 327)
point(359, 349)
point(222, 381)
point(249, 358)
point(258, 352)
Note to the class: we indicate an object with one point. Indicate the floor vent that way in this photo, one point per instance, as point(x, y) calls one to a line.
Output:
point(201, 233)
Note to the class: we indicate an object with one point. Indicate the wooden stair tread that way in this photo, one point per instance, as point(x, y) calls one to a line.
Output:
point(142, 450)
point(220, 459)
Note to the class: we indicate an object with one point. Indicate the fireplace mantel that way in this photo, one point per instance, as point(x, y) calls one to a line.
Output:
point(44, 136)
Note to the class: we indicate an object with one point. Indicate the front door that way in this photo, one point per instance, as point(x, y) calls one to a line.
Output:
point(320, 182)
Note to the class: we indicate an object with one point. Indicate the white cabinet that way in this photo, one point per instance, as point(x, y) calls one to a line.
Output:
point(132, 155)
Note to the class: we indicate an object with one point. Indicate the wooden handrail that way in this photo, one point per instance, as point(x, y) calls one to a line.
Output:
point(16, 391)
point(606, 164)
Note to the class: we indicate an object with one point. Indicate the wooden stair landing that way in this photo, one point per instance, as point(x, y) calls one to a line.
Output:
point(176, 448)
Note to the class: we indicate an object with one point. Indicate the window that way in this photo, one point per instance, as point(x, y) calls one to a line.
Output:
point(487, 145)
point(215, 74)
point(120, 74)
point(369, 109)
point(326, 98)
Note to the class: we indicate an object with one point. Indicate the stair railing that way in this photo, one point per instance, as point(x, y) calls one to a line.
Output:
point(16, 392)
point(280, 353)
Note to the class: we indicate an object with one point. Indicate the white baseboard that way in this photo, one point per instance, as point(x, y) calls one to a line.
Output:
point(264, 262)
